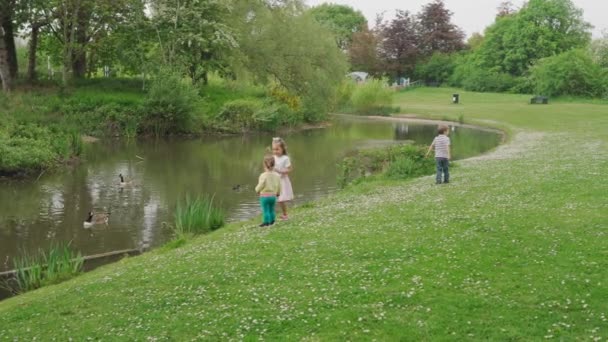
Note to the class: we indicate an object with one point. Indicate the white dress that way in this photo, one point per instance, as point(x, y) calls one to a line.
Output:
point(281, 164)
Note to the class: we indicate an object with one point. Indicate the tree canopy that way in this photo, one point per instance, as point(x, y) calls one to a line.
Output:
point(342, 20)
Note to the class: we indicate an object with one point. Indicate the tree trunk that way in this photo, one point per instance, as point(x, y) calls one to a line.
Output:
point(33, 48)
point(5, 74)
point(79, 59)
point(9, 44)
point(5, 77)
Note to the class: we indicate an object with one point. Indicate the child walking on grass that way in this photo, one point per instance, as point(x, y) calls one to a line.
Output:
point(282, 165)
point(269, 187)
point(443, 154)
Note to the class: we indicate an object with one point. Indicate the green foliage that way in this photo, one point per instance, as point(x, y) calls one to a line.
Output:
point(599, 50)
point(169, 106)
point(58, 264)
point(290, 48)
point(194, 35)
point(373, 97)
point(470, 75)
point(28, 148)
point(542, 28)
point(197, 216)
point(342, 20)
point(570, 73)
point(395, 162)
point(437, 70)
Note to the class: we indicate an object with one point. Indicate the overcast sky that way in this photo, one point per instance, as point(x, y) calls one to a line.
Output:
point(472, 16)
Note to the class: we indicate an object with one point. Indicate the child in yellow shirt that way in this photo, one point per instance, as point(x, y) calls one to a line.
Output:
point(269, 188)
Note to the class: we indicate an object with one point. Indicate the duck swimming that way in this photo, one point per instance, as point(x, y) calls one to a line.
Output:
point(96, 218)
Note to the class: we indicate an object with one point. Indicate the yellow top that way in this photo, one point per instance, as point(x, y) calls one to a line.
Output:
point(269, 184)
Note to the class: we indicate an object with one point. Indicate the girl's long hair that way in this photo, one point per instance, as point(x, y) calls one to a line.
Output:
point(281, 143)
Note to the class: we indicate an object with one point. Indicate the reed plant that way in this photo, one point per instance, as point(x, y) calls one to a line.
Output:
point(197, 216)
point(44, 268)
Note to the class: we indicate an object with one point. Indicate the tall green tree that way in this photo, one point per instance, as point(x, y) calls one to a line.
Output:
point(193, 35)
point(342, 20)
point(437, 33)
point(282, 44)
point(542, 28)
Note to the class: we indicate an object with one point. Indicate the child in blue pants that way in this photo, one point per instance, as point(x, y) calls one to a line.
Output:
point(443, 154)
point(269, 188)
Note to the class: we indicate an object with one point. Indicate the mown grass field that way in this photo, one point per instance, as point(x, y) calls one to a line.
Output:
point(514, 249)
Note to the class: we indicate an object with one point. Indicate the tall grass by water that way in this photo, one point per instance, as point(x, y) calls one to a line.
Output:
point(33, 271)
point(197, 216)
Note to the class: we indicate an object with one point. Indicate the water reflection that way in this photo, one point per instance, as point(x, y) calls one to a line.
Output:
point(33, 214)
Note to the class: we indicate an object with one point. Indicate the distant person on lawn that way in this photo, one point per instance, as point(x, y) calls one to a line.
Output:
point(443, 154)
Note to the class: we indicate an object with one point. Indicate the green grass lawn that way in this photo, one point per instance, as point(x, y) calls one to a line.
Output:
point(514, 249)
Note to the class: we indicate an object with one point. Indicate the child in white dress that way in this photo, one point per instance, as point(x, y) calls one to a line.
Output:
point(282, 165)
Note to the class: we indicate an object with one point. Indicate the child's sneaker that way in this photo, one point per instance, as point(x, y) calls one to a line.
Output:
point(284, 217)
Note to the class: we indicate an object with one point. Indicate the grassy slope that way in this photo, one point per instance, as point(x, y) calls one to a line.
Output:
point(514, 249)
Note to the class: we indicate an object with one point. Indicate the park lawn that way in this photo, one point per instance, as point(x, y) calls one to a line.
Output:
point(514, 249)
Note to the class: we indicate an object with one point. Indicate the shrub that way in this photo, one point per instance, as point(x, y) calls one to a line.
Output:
point(372, 97)
point(395, 162)
point(471, 75)
point(169, 106)
point(570, 73)
point(239, 114)
point(198, 216)
point(437, 70)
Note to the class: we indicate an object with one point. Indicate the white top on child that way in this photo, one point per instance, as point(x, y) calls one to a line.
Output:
point(281, 163)
point(442, 146)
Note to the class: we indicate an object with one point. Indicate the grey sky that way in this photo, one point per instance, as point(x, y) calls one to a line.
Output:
point(472, 16)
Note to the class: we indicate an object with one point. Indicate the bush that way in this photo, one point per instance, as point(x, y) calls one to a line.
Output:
point(169, 106)
point(471, 75)
point(570, 73)
point(395, 162)
point(239, 114)
point(198, 216)
point(26, 148)
point(437, 70)
point(372, 97)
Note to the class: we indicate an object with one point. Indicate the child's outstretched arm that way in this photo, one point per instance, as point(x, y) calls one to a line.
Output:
point(429, 150)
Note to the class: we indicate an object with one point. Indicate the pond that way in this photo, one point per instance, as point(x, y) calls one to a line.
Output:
point(35, 213)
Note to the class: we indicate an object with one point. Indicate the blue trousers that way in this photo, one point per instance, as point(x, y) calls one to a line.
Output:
point(268, 204)
point(443, 169)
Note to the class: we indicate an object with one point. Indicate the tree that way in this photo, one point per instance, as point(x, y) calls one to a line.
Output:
point(437, 32)
point(33, 15)
point(5, 74)
point(342, 20)
point(399, 44)
point(286, 47)
point(437, 69)
point(475, 40)
point(505, 9)
point(599, 50)
point(193, 34)
point(363, 52)
point(7, 12)
point(571, 73)
point(542, 28)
